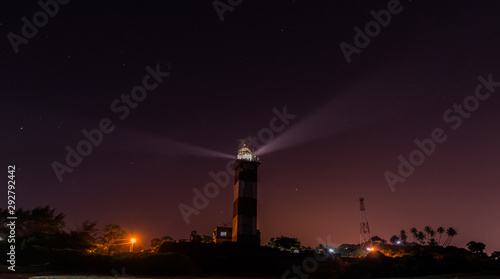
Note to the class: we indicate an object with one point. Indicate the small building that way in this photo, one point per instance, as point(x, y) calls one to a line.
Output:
point(222, 234)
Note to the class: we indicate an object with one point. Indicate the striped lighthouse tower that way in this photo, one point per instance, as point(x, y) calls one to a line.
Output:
point(245, 197)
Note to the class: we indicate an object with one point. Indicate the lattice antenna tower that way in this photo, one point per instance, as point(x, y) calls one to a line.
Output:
point(364, 229)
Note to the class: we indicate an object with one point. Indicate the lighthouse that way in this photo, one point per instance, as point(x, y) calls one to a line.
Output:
point(245, 197)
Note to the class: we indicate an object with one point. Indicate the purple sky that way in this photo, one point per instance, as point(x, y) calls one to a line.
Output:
point(352, 120)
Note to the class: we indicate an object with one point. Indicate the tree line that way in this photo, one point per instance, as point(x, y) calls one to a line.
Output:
point(425, 237)
point(42, 228)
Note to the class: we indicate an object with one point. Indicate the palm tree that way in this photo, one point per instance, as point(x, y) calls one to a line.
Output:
point(432, 242)
point(427, 231)
point(430, 235)
point(403, 236)
point(440, 231)
point(421, 237)
point(451, 232)
point(414, 233)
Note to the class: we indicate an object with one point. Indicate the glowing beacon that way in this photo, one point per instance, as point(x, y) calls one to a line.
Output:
point(245, 153)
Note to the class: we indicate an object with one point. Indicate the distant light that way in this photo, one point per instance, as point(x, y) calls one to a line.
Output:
point(370, 249)
point(132, 240)
point(330, 250)
point(399, 242)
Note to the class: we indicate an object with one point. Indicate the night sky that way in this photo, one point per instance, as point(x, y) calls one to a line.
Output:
point(347, 123)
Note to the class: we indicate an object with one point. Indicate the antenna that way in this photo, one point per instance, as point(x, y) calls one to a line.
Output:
point(364, 229)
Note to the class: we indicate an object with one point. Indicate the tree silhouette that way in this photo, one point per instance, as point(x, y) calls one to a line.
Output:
point(283, 242)
point(476, 247)
point(430, 233)
point(404, 237)
point(414, 233)
point(421, 237)
point(40, 220)
point(84, 238)
point(113, 235)
point(432, 242)
point(39, 228)
point(451, 232)
point(440, 231)
point(394, 239)
point(495, 255)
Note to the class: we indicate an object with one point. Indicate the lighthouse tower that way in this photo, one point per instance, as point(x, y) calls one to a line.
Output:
point(245, 197)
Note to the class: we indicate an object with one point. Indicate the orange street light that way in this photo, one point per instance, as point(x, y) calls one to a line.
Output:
point(132, 244)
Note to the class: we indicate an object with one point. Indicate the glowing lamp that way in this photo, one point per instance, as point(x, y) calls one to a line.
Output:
point(245, 153)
